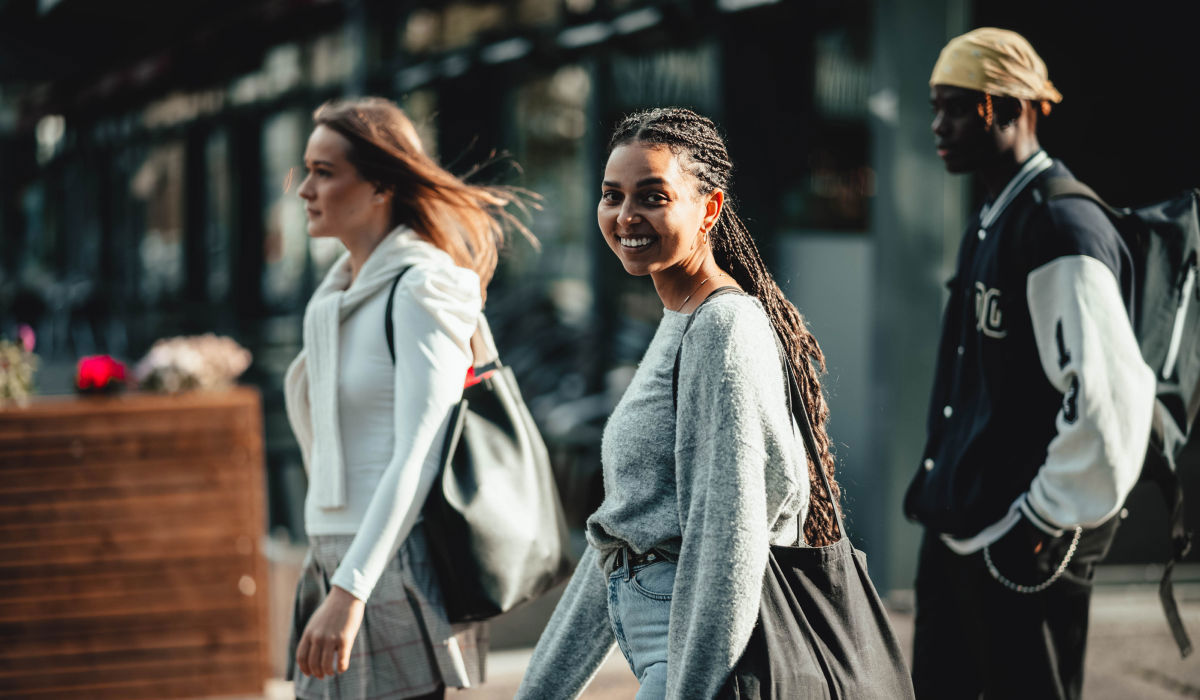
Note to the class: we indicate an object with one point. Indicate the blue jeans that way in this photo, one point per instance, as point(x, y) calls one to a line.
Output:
point(639, 609)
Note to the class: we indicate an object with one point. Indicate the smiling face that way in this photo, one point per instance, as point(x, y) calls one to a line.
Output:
point(340, 202)
point(651, 213)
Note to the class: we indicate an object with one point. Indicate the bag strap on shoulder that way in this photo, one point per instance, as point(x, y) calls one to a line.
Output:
point(719, 291)
point(387, 316)
point(1065, 187)
point(483, 347)
point(794, 397)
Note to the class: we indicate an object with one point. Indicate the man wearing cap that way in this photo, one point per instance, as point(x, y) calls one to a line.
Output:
point(1041, 403)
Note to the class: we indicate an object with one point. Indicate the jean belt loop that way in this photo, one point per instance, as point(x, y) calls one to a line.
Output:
point(625, 556)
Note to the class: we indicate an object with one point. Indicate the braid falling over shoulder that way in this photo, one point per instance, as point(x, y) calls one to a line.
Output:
point(696, 137)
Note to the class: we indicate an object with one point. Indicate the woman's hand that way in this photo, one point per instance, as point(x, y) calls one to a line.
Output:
point(324, 648)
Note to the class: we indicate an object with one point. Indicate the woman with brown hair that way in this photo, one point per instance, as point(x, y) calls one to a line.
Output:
point(702, 468)
point(369, 619)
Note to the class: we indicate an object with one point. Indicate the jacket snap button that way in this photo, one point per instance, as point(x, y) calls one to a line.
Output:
point(947, 411)
point(982, 234)
point(928, 464)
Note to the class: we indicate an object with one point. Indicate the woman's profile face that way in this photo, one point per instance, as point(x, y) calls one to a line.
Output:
point(650, 212)
point(339, 201)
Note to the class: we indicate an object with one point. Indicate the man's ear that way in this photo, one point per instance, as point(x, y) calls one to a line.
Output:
point(1008, 110)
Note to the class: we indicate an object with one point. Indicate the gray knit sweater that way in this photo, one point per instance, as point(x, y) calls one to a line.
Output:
point(714, 484)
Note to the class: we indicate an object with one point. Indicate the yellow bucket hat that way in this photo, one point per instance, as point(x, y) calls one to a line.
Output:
point(996, 62)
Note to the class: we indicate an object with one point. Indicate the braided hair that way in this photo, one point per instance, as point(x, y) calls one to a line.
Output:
point(695, 138)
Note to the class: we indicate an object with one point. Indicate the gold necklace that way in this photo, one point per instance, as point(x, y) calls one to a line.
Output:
point(689, 296)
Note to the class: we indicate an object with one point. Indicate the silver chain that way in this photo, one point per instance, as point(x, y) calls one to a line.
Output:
point(987, 557)
point(685, 299)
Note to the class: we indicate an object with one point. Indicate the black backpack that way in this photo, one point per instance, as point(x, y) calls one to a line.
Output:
point(1163, 239)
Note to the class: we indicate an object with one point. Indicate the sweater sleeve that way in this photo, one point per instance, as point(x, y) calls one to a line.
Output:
point(434, 315)
point(575, 641)
point(730, 393)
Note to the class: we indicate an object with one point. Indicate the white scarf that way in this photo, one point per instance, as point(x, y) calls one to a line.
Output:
point(311, 383)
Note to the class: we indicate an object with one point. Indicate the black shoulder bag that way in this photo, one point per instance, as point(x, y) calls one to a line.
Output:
point(822, 631)
point(497, 536)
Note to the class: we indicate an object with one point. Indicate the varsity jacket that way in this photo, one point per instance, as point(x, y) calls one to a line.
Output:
point(1041, 403)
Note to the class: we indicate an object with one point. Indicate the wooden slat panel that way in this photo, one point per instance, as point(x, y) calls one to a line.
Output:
point(219, 519)
point(187, 680)
point(86, 593)
point(194, 468)
point(157, 546)
point(87, 513)
point(132, 579)
point(117, 643)
point(231, 609)
point(146, 663)
point(20, 578)
point(129, 547)
point(109, 509)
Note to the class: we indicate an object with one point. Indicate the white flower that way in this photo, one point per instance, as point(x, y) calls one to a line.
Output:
point(192, 362)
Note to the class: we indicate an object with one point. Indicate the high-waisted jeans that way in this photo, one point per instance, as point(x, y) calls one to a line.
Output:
point(639, 608)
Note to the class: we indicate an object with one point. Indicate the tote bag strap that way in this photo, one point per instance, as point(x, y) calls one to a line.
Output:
point(795, 402)
point(388, 331)
point(483, 346)
point(719, 291)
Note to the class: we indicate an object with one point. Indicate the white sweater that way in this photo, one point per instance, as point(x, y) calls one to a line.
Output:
point(375, 444)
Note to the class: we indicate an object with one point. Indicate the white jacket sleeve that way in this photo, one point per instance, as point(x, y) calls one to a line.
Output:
point(434, 315)
point(1089, 353)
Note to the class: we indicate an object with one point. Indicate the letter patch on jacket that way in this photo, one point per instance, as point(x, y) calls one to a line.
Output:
point(1064, 357)
point(989, 318)
point(1071, 401)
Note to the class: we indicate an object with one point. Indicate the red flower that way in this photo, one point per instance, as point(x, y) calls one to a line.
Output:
point(99, 373)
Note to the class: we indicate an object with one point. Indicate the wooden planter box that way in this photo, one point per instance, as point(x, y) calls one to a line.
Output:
point(130, 535)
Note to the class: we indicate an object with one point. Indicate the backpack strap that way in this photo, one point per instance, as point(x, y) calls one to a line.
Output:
point(1160, 468)
point(1063, 187)
point(1046, 189)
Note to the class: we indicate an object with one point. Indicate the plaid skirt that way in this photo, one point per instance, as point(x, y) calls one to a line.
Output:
point(405, 647)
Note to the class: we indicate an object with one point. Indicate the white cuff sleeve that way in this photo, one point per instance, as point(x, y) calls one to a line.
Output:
point(1089, 353)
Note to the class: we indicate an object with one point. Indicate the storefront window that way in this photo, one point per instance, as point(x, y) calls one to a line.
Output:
point(685, 76)
point(285, 239)
point(551, 122)
point(835, 192)
point(218, 216)
point(158, 185)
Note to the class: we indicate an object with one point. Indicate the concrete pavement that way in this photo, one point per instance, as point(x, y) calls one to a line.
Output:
point(1131, 655)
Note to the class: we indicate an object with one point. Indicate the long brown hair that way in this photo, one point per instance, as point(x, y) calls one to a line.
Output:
point(695, 137)
point(465, 220)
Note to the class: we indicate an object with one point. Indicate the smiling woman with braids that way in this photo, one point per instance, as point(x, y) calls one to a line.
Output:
point(702, 469)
